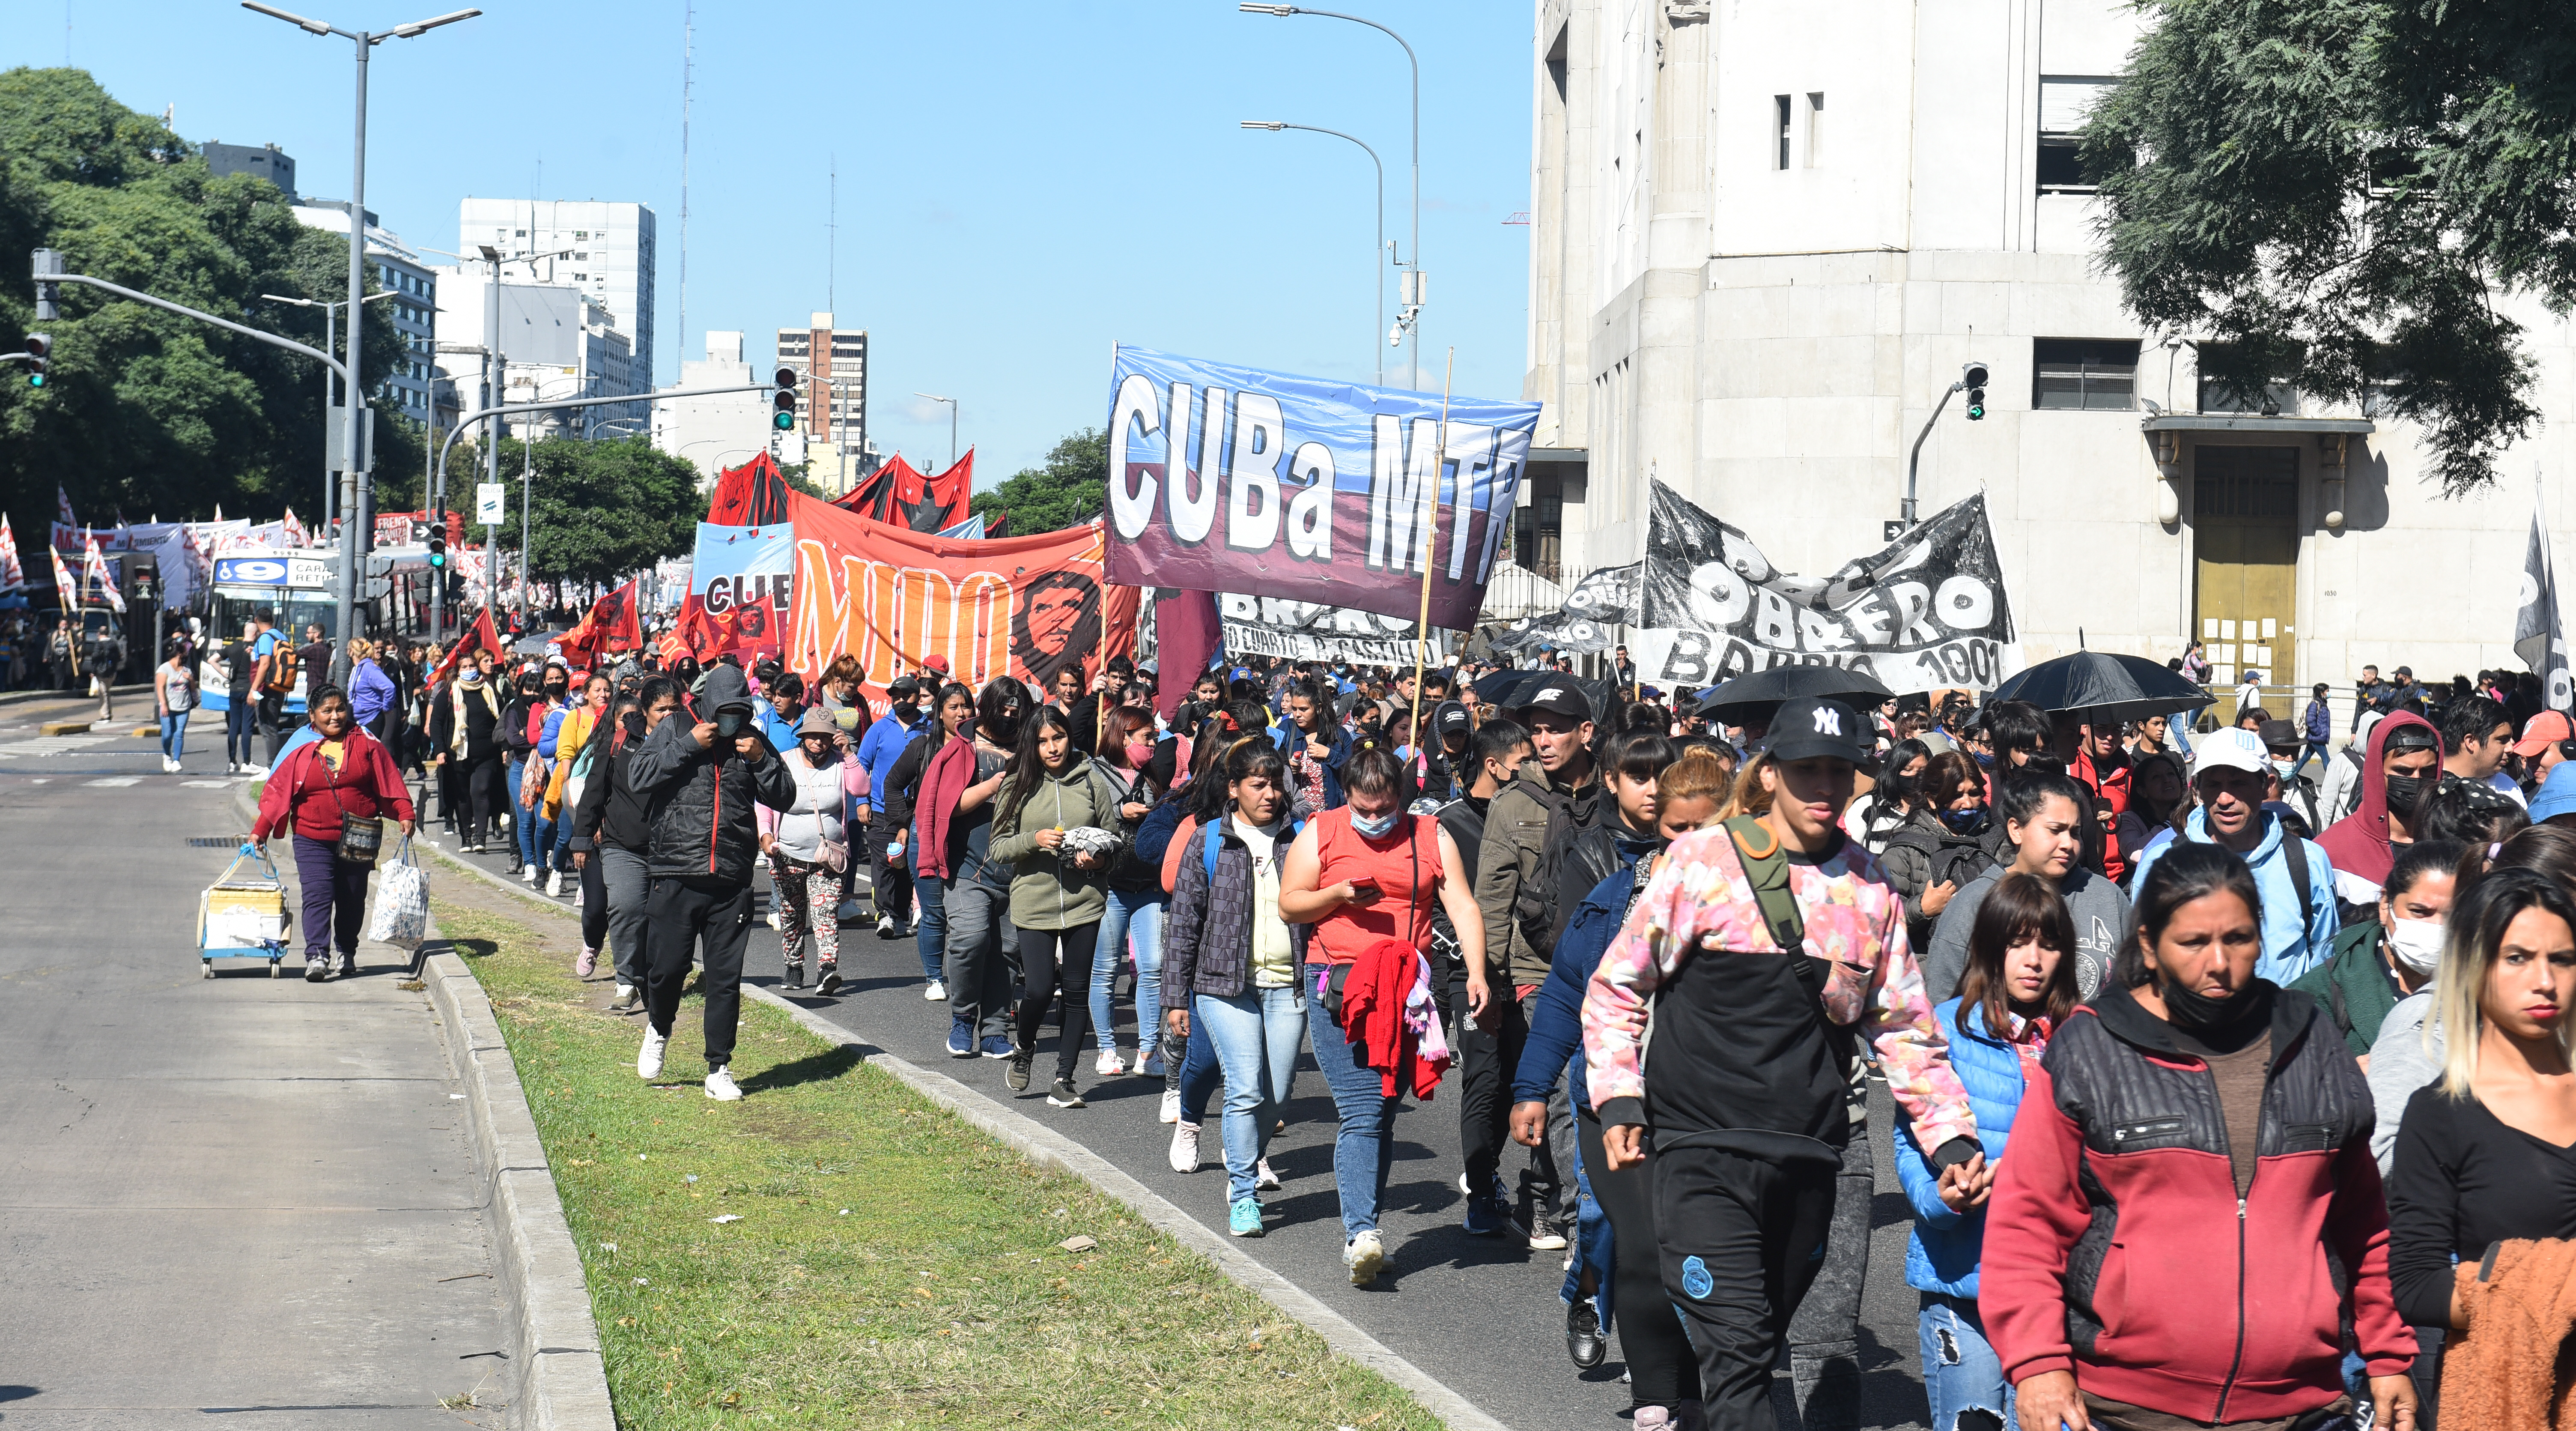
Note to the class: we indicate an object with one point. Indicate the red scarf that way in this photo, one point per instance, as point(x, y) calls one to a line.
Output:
point(949, 773)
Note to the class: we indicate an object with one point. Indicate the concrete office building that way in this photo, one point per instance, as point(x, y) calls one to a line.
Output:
point(718, 431)
point(555, 342)
point(605, 250)
point(1765, 239)
point(265, 161)
point(414, 311)
point(832, 402)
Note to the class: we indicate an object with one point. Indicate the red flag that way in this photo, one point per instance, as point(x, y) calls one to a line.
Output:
point(479, 636)
point(901, 495)
point(672, 649)
point(752, 495)
point(611, 622)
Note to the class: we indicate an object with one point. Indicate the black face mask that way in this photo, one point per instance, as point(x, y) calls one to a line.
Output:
point(633, 721)
point(2406, 793)
point(2196, 1013)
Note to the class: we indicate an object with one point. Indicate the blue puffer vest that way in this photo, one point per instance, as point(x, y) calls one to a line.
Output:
point(1943, 1253)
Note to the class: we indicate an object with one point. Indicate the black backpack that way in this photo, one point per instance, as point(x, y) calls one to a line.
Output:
point(1953, 861)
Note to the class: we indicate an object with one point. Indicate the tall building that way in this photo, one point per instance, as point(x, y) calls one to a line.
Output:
point(1765, 239)
point(832, 402)
point(605, 250)
point(414, 309)
point(266, 162)
point(555, 342)
point(722, 430)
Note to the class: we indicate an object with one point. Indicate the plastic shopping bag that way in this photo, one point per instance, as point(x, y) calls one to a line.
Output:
point(402, 902)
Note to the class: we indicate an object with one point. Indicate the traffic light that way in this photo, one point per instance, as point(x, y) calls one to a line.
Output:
point(438, 546)
point(39, 345)
point(1973, 376)
point(784, 419)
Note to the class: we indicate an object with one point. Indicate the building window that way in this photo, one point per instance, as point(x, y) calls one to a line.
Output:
point(1780, 131)
point(2276, 399)
point(1815, 129)
point(2099, 374)
point(2065, 103)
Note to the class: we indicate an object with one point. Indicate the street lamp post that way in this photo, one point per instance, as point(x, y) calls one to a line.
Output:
point(353, 529)
point(1412, 308)
point(330, 343)
point(1275, 125)
point(952, 423)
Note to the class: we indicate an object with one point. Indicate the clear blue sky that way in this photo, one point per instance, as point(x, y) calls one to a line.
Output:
point(1020, 184)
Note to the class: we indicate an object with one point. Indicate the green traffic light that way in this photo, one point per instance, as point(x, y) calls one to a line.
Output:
point(786, 422)
point(35, 380)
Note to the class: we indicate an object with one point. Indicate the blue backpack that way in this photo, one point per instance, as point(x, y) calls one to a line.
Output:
point(1209, 846)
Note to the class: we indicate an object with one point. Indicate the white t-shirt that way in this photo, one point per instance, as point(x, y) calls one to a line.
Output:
point(1274, 959)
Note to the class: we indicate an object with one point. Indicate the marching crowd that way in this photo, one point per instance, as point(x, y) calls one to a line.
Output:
point(2230, 1071)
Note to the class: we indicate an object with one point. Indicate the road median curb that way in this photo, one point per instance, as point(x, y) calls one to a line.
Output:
point(1049, 1149)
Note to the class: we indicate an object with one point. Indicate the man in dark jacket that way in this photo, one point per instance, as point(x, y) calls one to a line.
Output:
point(699, 781)
point(610, 825)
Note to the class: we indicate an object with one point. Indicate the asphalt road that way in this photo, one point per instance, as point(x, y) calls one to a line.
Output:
point(1480, 1314)
point(236, 1199)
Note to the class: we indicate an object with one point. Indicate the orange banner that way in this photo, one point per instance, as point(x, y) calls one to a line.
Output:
point(1023, 606)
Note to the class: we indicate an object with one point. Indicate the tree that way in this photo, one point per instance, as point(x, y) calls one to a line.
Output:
point(148, 411)
point(600, 510)
point(1072, 488)
point(2337, 191)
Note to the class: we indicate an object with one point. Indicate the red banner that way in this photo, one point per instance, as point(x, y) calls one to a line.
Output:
point(752, 495)
point(901, 495)
point(1025, 606)
point(610, 624)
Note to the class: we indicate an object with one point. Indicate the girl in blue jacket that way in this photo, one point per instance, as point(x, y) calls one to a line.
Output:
point(2019, 984)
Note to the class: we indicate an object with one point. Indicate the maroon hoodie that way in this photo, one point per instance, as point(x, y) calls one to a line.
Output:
point(2358, 843)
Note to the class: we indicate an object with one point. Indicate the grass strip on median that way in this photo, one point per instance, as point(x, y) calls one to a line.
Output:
point(836, 1250)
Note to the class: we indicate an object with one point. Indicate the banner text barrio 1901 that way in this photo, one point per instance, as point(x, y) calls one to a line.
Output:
point(1238, 480)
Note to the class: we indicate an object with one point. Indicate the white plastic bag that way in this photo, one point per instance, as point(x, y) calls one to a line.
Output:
point(402, 903)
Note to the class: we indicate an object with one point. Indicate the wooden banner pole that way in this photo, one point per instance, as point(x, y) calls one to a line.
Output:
point(1431, 551)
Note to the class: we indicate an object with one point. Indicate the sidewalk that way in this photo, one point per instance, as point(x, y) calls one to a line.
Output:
point(241, 1195)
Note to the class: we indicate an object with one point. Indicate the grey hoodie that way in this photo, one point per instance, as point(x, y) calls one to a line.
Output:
point(2101, 920)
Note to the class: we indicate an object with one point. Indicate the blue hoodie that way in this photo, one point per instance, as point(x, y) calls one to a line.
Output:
point(2294, 941)
point(882, 746)
point(1943, 1252)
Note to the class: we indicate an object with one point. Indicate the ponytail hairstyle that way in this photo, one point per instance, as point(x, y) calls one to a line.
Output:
point(2187, 871)
point(1373, 770)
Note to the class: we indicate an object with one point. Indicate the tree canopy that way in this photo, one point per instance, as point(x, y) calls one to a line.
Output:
point(149, 412)
point(598, 510)
point(1072, 487)
point(2334, 193)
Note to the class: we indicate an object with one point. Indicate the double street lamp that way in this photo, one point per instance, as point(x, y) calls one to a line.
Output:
point(1274, 126)
point(353, 527)
point(1407, 322)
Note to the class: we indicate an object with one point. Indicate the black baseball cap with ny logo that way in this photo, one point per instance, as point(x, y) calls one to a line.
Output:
point(1808, 727)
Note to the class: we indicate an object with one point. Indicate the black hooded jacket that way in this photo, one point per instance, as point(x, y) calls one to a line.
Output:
point(697, 802)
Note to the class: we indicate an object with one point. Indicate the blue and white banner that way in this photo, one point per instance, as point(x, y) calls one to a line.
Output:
point(1231, 479)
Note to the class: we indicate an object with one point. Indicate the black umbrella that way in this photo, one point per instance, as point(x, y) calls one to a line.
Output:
point(1513, 690)
point(2119, 687)
point(1751, 700)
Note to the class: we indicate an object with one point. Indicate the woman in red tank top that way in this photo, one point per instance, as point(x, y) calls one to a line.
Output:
point(1360, 874)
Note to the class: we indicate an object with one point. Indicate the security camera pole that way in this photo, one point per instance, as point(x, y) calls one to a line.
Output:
point(1972, 381)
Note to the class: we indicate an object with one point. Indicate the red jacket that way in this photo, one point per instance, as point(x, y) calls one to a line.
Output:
point(2114, 790)
point(1373, 995)
point(313, 796)
point(2116, 1246)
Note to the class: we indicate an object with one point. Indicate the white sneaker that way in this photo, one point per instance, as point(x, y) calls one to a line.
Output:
point(528, 874)
point(935, 992)
point(1108, 1064)
point(721, 1088)
point(778, 918)
point(1185, 1147)
point(554, 881)
point(1171, 1105)
point(1365, 1256)
point(648, 1059)
point(849, 910)
point(1263, 1178)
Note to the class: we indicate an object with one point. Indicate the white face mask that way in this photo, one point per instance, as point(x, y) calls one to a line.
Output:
point(2418, 943)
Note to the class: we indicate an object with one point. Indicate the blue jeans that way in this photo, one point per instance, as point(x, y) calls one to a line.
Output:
point(1256, 1035)
point(239, 728)
point(1136, 916)
point(1596, 1249)
point(1960, 1370)
point(2312, 750)
point(930, 940)
point(531, 832)
point(174, 735)
point(1364, 1148)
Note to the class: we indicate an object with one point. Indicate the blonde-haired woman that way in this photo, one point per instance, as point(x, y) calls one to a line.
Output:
point(2486, 1155)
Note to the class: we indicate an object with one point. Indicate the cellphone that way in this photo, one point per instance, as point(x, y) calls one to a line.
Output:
point(1363, 884)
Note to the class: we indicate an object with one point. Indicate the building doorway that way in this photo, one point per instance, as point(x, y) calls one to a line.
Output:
point(2245, 520)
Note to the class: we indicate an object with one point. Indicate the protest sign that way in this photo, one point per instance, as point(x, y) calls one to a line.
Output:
point(738, 585)
point(1926, 612)
point(1305, 631)
point(1224, 478)
point(1019, 606)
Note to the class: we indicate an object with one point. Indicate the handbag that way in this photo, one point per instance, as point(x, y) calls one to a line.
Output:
point(833, 855)
point(362, 837)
